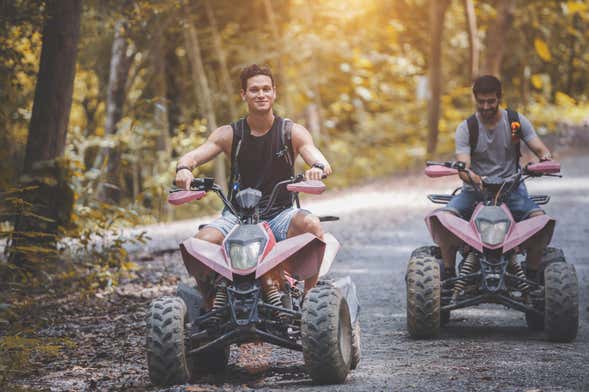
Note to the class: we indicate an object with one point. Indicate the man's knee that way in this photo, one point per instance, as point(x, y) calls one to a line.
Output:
point(304, 222)
point(536, 213)
point(210, 234)
point(313, 225)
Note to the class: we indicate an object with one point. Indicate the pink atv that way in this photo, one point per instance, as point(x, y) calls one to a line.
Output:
point(492, 269)
point(249, 289)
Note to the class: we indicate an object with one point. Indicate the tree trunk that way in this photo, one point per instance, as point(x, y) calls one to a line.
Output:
point(203, 94)
point(437, 13)
point(473, 38)
point(120, 64)
point(51, 200)
point(497, 37)
point(282, 78)
point(160, 92)
point(572, 55)
point(225, 78)
point(316, 72)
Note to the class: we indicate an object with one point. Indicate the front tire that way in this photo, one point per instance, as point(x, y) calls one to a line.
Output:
point(326, 335)
point(423, 296)
point(213, 360)
point(535, 321)
point(561, 317)
point(356, 348)
point(166, 352)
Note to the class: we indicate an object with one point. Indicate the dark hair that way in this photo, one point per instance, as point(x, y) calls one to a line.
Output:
point(252, 70)
point(487, 84)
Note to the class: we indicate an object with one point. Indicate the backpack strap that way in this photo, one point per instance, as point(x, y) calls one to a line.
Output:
point(286, 142)
point(473, 132)
point(516, 133)
point(286, 152)
point(238, 137)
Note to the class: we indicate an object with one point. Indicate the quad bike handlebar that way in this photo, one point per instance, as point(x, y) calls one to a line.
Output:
point(200, 186)
point(495, 186)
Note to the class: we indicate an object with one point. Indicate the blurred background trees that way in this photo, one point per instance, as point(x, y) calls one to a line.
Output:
point(379, 83)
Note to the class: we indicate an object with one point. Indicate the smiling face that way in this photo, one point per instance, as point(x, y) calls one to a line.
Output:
point(259, 94)
point(487, 105)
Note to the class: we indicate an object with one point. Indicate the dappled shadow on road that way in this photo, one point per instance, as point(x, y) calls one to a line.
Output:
point(275, 375)
point(478, 332)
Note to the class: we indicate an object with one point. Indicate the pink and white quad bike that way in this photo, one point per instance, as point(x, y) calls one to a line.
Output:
point(249, 289)
point(492, 269)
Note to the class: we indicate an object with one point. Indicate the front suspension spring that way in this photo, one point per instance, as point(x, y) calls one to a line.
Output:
point(516, 269)
point(468, 266)
point(273, 296)
point(220, 300)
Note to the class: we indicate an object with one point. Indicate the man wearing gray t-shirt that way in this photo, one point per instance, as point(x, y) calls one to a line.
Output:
point(496, 154)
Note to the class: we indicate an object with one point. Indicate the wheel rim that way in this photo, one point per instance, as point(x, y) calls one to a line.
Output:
point(344, 334)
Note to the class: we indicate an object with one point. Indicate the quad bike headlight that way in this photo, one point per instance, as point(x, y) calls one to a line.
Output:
point(244, 257)
point(492, 233)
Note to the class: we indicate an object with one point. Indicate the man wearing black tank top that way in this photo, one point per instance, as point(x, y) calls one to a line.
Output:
point(260, 163)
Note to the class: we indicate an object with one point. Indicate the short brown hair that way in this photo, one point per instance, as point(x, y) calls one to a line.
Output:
point(487, 84)
point(252, 70)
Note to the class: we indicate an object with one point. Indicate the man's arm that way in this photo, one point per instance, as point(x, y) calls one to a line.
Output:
point(533, 141)
point(466, 159)
point(302, 143)
point(463, 153)
point(219, 141)
point(539, 148)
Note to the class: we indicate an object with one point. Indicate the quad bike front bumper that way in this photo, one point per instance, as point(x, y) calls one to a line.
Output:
point(246, 318)
point(492, 289)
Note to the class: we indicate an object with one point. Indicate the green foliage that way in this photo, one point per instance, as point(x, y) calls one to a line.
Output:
point(17, 354)
point(360, 62)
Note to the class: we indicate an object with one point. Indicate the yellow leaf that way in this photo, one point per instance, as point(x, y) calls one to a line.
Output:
point(542, 49)
point(574, 7)
point(537, 81)
point(564, 100)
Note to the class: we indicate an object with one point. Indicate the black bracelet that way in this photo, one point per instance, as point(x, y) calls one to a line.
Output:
point(178, 168)
point(319, 165)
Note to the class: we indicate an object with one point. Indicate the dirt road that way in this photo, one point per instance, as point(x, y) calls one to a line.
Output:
point(483, 348)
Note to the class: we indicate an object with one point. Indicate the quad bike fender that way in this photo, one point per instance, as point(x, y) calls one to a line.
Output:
point(303, 254)
point(527, 228)
point(440, 219)
point(348, 290)
point(200, 257)
point(331, 248)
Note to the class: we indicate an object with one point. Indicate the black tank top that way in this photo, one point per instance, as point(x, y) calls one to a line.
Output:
point(261, 166)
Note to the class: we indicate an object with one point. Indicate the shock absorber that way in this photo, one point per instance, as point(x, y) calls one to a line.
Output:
point(516, 269)
point(273, 296)
point(467, 267)
point(220, 299)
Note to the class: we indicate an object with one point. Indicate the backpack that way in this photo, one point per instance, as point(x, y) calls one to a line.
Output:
point(513, 120)
point(238, 135)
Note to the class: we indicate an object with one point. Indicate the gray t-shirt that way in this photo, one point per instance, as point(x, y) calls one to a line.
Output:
point(494, 154)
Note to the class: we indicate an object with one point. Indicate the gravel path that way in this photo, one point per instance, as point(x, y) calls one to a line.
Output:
point(482, 348)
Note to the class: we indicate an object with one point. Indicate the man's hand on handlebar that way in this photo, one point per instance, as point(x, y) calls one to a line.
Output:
point(183, 179)
point(317, 172)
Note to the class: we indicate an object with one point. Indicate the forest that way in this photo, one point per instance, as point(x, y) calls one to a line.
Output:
point(99, 98)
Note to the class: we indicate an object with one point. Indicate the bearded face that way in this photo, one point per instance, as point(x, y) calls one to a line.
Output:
point(487, 106)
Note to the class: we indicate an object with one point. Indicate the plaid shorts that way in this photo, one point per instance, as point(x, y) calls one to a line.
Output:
point(279, 224)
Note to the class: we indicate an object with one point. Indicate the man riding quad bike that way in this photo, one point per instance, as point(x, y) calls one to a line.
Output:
point(256, 288)
point(249, 262)
point(492, 246)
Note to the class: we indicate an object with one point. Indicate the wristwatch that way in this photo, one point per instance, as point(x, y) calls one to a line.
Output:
point(319, 165)
point(178, 168)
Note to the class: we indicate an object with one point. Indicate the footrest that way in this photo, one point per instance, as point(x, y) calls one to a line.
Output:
point(540, 199)
point(328, 218)
point(439, 199)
